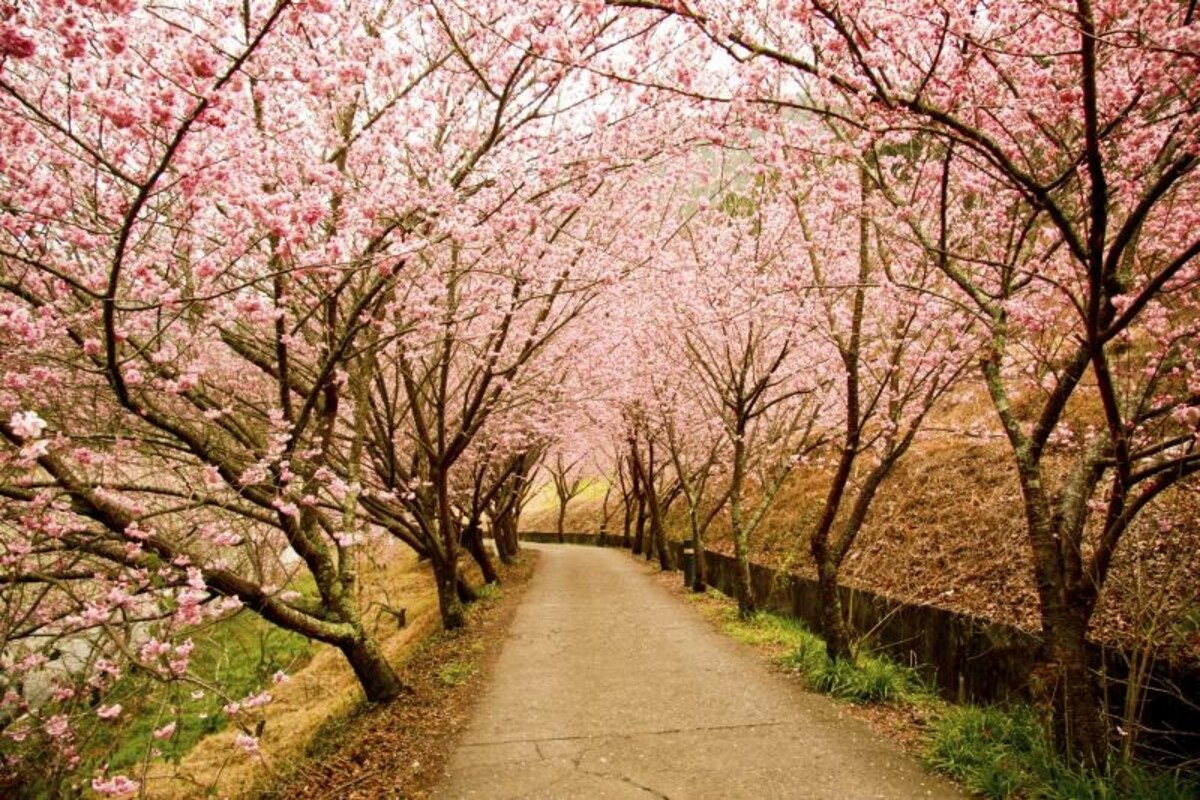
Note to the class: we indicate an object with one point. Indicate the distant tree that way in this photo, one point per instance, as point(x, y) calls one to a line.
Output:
point(568, 483)
point(746, 343)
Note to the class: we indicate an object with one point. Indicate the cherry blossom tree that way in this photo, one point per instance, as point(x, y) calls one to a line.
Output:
point(171, 406)
point(744, 334)
point(515, 263)
point(568, 484)
point(698, 452)
point(226, 226)
point(901, 347)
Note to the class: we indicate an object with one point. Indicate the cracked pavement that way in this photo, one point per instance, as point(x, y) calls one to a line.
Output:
point(610, 687)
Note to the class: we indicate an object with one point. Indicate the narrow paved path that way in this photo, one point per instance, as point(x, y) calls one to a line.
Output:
point(610, 687)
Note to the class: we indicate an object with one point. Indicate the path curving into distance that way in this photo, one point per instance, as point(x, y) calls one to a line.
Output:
point(610, 687)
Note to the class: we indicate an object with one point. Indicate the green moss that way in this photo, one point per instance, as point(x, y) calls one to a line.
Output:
point(490, 592)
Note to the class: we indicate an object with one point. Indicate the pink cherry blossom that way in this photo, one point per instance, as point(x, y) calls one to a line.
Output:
point(116, 786)
point(248, 743)
point(27, 424)
point(109, 712)
point(57, 726)
point(13, 44)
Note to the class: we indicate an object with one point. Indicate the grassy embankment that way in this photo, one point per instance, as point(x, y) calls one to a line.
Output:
point(233, 658)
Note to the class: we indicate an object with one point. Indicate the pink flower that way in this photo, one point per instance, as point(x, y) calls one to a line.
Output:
point(56, 727)
point(212, 477)
point(114, 40)
point(285, 508)
point(165, 731)
point(116, 785)
point(254, 701)
point(135, 531)
point(109, 712)
point(27, 424)
point(227, 539)
point(247, 743)
point(14, 44)
point(280, 677)
point(195, 578)
point(202, 64)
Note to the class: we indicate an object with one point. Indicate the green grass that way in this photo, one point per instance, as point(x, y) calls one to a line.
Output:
point(866, 679)
point(1006, 753)
point(456, 673)
point(490, 592)
point(765, 628)
point(240, 654)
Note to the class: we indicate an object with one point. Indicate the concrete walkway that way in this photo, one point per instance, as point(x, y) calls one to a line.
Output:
point(609, 687)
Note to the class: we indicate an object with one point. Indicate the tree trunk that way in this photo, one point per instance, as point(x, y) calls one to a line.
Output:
point(699, 570)
point(562, 518)
point(507, 556)
point(741, 541)
point(639, 531)
point(1079, 728)
point(514, 540)
point(449, 601)
point(745, 589)
point(473, 538)
point(658, 536)
point(837, 642)
point(627, 525)
point(465, 591)
point(377, 678)
point(837, 645)
point(660, 544)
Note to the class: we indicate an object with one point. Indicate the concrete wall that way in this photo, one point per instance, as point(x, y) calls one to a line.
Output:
point(549, 537)
point(966, 657)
